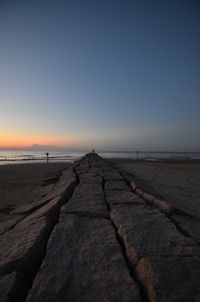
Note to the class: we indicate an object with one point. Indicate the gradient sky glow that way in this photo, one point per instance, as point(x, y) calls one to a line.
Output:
point(109, 74)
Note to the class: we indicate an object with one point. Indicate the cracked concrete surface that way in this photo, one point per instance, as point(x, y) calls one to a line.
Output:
point(94, 237)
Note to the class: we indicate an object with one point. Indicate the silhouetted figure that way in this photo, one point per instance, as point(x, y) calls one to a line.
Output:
point(137, 154)
point(93, 151)
point(47, 155)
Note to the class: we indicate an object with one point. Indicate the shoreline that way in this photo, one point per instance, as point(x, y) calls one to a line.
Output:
point(22, 156)
point(157, 160)
point(61, 161)
point(33, 162)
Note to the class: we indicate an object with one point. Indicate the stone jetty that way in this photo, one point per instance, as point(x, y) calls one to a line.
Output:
point(94, 236)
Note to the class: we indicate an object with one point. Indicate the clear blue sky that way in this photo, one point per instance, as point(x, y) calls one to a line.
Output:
point(100, 74)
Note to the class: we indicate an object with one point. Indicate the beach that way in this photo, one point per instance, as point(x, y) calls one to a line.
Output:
point(20, 183)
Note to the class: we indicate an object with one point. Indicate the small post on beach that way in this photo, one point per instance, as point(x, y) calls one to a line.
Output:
point(47, 155)
point(137, 154)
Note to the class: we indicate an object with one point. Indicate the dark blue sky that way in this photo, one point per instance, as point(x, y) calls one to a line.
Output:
point(102, 74)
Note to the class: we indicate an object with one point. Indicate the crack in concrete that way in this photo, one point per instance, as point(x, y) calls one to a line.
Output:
point(173, 211)
point(143, 287)
point(89, 215)
point(10, 228)
point(42, 256)
point(30, 211)
point(123, 251)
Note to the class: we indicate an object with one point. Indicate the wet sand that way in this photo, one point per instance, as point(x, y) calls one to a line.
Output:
point(19, 183)
point(177, 182)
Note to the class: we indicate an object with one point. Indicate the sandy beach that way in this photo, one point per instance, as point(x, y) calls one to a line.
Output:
point(177, 182)
point(20, 183)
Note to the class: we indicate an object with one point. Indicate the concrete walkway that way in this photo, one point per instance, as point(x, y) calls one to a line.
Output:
point(93, 236)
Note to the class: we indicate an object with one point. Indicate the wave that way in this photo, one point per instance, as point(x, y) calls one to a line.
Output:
point(34, 156)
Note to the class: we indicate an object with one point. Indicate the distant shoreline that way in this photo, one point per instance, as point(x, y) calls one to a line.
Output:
point(113, 159)
point(21, 157)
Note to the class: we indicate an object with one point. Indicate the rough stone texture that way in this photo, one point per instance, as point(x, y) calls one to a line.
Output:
point(22, 247)
point(112, 175)
point(88, 198)
point(90, 178)
point(67, 180)
point(189, 225)
point(98, 171)
point(31, 207)
point(167, 263)
point(44, 190)
point(91, 191)
point(9, 224)
point(139, 192)
point(90, 267)
point(51, 179)
point(82, 168)
point(148, 197)
point(87, 207)
point(133, 185)
point(175, 182)
point(116, 185)
point(182, 275)
point(13, 287)
point(122, 197)
point(106, 244)
point(23, 240)
point(64, 186)
point(163, 206)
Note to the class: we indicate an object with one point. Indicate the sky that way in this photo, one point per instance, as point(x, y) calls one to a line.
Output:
point(105, 75)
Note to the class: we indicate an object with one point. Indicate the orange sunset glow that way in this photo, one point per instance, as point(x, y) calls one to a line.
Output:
point(18, 140)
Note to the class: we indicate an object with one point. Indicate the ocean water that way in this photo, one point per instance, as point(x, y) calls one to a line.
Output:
point(24, 156)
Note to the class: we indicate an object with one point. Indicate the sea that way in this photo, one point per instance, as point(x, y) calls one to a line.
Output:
point(30, 156)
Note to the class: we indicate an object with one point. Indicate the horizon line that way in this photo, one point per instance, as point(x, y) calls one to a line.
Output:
point(76, 149)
